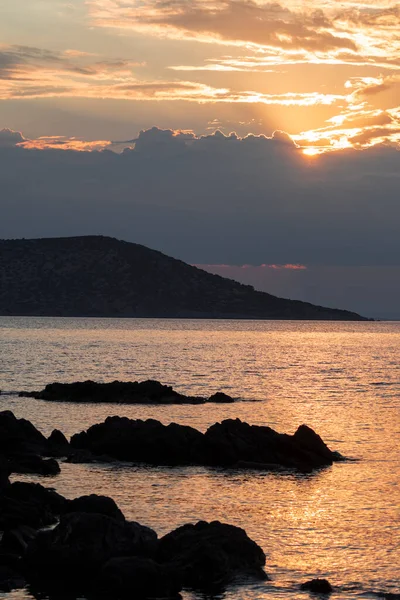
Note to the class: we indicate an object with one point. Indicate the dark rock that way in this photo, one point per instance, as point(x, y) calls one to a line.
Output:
point(29, 504)
point(16, 541)
point(95, 504)
point(234, 443)
point(135, 577)
point(34, 464)
point(124, 392)
point(58, 442)
point(311, 441)
point(20, 436)
point(211, 554)
point(142, 441)
point(73, 552)
point(22, 447)
point(11, 572)
point(221, 398)
point(231, 443)
point(11, 560)
point(79, 457)
point(317, 586)
point(5, 472)
point(10, 579)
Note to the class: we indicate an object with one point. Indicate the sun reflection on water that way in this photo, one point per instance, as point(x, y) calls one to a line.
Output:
point(341, 379)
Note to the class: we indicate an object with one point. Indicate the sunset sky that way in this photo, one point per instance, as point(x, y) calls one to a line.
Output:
point(242, 133)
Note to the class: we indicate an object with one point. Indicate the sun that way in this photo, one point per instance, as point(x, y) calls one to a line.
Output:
point(311, 151)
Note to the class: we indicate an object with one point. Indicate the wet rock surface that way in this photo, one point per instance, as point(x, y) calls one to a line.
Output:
point(122, 392)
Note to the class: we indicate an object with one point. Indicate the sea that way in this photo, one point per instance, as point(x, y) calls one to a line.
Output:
point(340, 378)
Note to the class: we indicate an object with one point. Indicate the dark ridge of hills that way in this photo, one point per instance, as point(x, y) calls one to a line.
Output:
point(96, 276)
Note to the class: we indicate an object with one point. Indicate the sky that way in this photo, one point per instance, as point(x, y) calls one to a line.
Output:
point(259, 140)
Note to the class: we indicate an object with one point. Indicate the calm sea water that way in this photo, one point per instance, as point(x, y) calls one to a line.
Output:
point(342, 379)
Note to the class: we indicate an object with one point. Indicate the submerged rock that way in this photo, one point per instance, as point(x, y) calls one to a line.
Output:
point(317, 586)
point(211, 554)
point(231, 443)
point(221, 398)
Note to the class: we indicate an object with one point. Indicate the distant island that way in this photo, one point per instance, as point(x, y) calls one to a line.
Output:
point(97, 276)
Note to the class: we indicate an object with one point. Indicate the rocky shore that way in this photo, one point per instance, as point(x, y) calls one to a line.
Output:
point(86, 546)
point(93, 550)
point(229, 444)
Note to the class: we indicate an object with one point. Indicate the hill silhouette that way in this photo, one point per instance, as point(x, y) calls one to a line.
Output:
point(96, 276)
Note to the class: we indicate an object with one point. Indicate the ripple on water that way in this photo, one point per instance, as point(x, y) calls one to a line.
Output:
point(341, 379)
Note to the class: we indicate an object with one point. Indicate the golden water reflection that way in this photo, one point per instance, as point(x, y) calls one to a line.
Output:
point(342, 379)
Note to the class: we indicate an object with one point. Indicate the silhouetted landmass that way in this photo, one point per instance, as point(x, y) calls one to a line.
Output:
point(95, 276)
point(121, 392)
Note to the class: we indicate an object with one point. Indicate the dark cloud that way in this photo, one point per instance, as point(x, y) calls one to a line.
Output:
point(37, 71)
point(15, 60)
point(9, 138)
point(372, 291)
point(212, 199)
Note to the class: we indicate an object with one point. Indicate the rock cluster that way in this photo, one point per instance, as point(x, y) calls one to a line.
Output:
point(232, 444)
point(94, 550)
point(86, 546)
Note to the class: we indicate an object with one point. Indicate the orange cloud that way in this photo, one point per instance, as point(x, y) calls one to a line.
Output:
point(345, 31)
point(57, 142)
point(36, 73)
point(362, 123)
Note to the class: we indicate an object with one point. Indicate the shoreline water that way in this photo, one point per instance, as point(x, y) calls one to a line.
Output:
point(342, 524)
